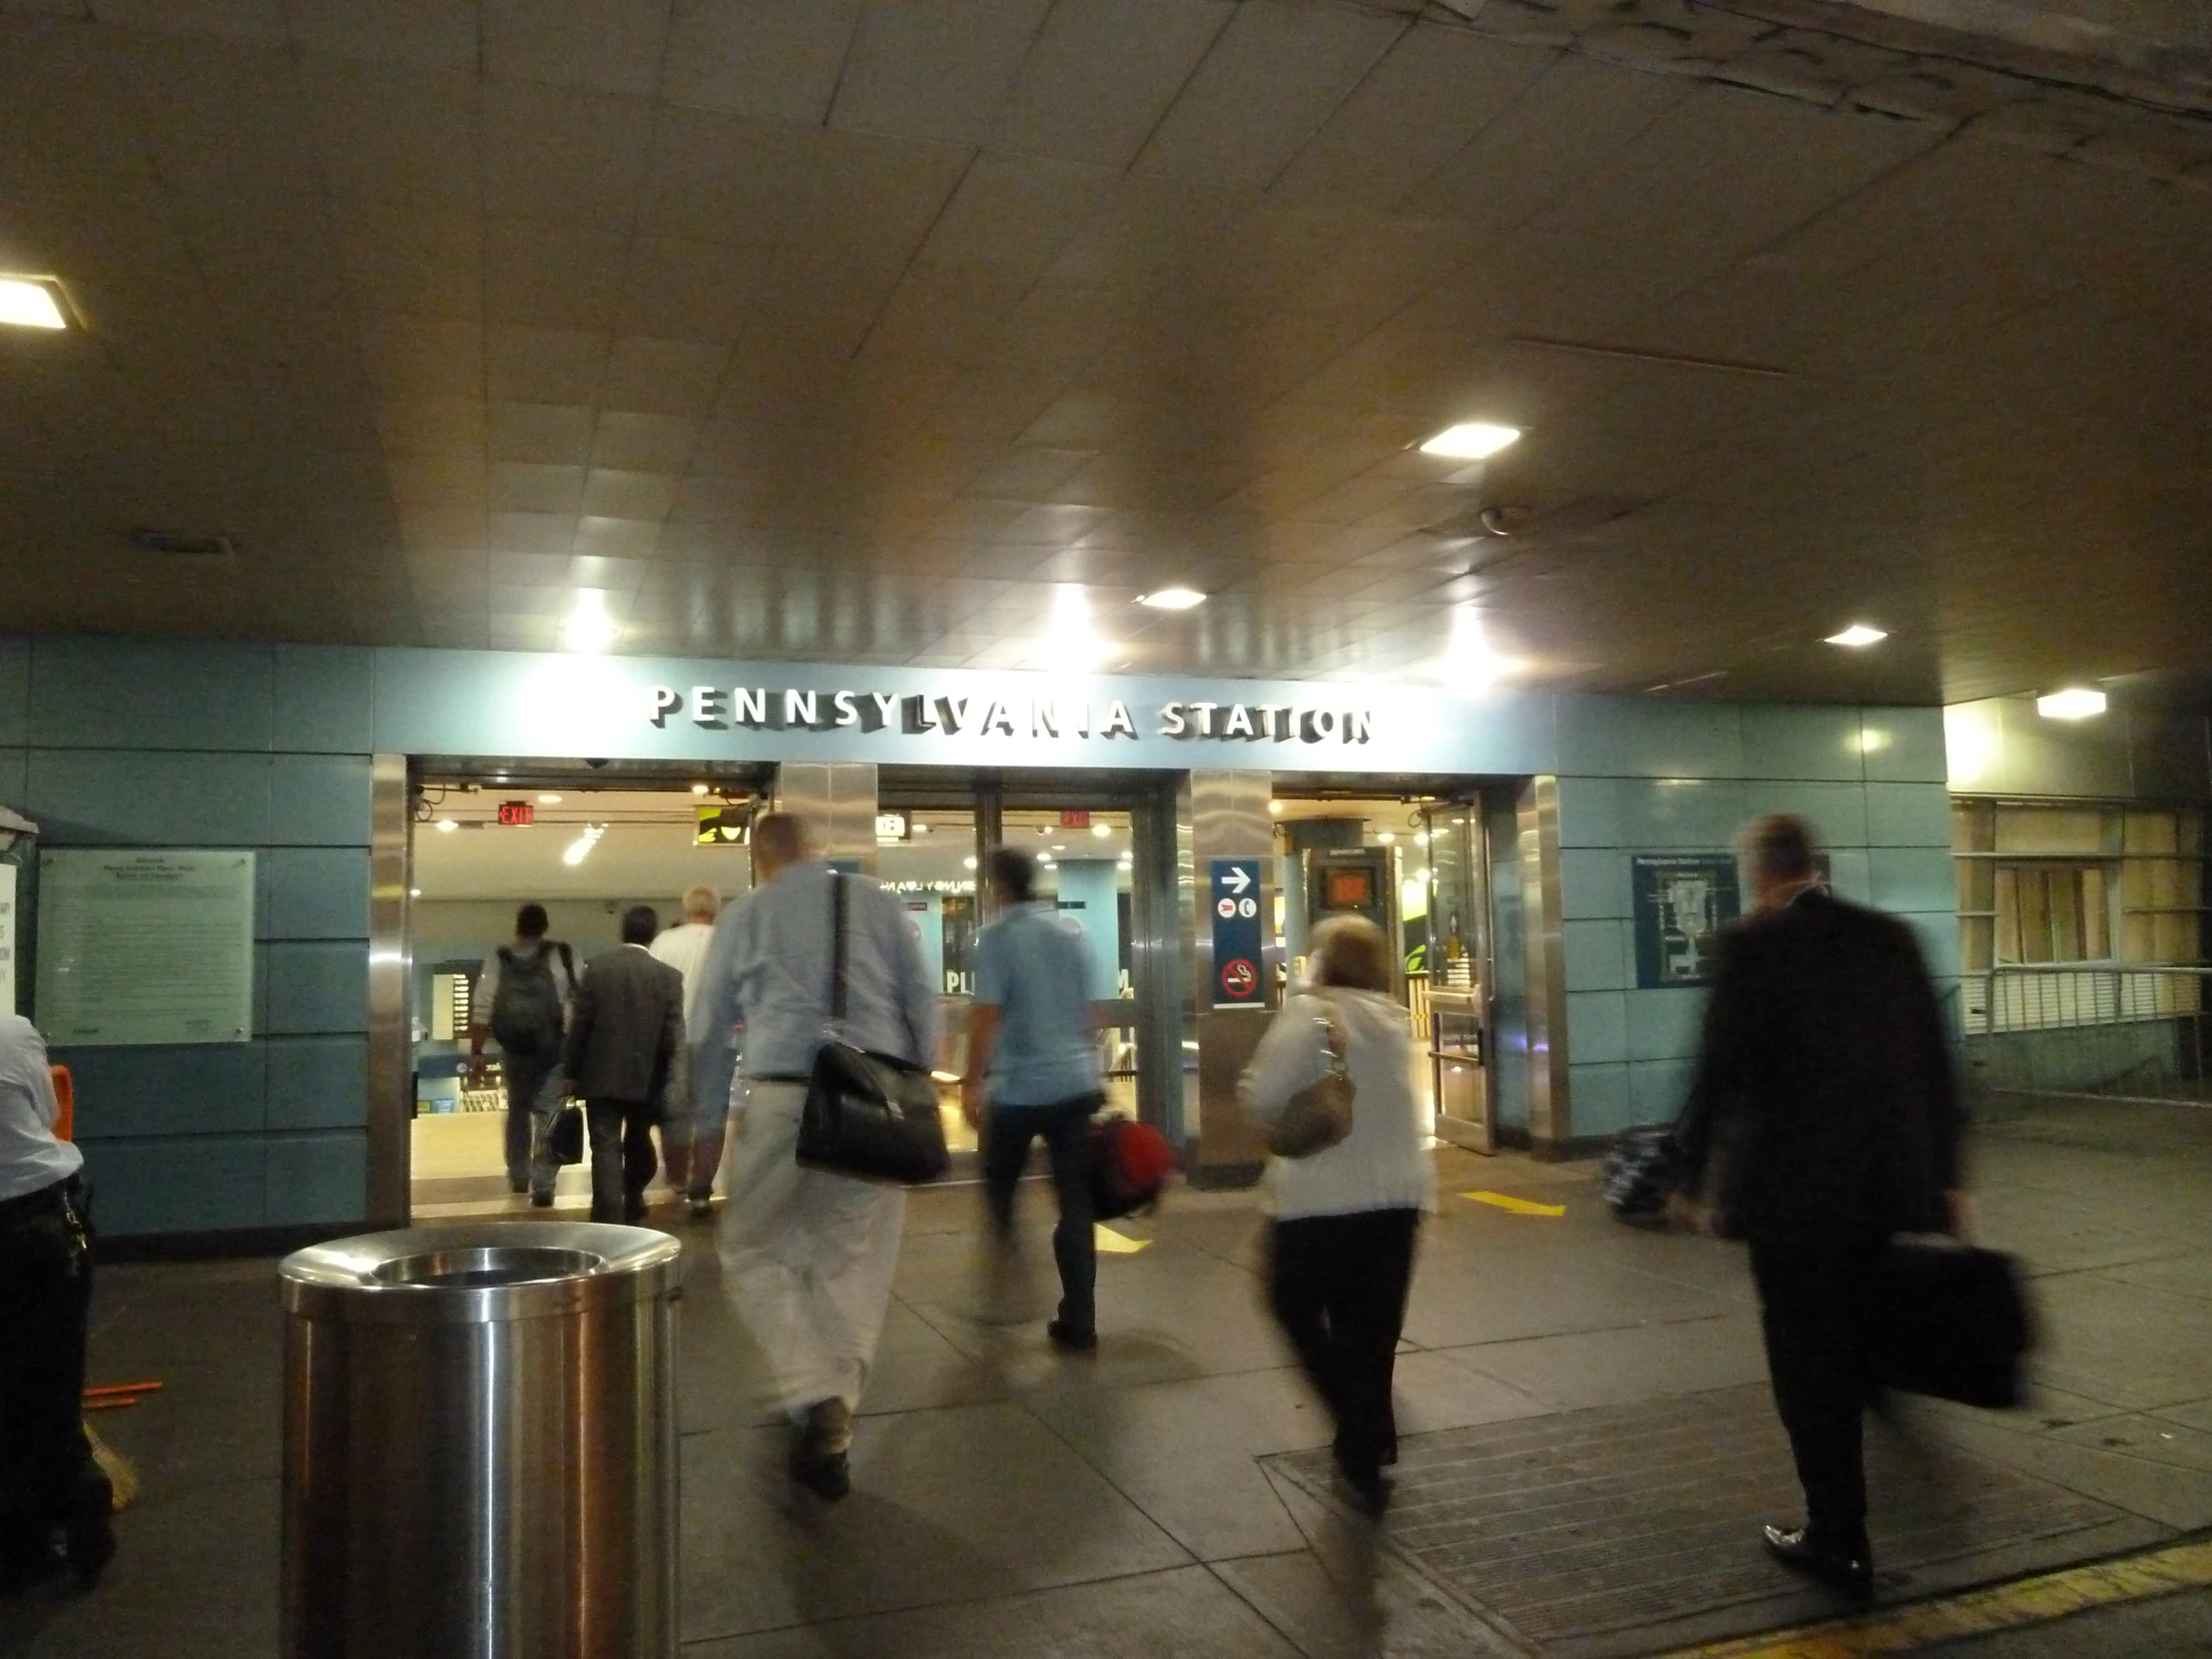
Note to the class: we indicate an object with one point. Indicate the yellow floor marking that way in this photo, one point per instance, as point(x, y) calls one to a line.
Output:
point(1116, 1244)
point(2027, 1602)
point(1517, 1206)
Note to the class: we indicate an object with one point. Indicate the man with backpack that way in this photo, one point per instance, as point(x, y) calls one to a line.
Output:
point(522, 997)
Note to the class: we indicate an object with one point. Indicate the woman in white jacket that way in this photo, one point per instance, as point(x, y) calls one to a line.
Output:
point(1340, 1256)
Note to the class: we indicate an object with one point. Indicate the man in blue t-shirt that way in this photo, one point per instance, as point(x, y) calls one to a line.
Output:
point(1032, 1070)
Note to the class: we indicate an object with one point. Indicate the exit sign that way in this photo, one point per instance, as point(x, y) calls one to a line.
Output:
point(516, 812)
point(1080, 819)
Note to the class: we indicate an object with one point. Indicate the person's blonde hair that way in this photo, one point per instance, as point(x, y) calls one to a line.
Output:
point(701, 904)
point(1349, 951)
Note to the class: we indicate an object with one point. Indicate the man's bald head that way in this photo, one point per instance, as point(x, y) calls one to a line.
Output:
point(779, 839)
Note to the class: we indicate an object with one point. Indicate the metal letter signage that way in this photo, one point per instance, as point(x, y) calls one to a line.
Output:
point(1233, 893)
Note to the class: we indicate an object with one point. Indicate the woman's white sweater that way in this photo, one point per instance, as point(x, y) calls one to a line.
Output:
point(1381, 1164)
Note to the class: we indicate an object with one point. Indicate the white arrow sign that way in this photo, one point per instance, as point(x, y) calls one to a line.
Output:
point(1238, 878)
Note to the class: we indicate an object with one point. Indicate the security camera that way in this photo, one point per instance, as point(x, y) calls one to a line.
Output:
point(595, 764)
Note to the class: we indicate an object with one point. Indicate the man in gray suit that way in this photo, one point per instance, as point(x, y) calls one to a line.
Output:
point(625, 1055)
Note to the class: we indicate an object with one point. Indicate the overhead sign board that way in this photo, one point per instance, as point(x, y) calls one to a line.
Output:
point(1233, 893)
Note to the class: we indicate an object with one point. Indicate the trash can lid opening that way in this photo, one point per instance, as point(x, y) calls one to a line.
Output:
point(487, 1269)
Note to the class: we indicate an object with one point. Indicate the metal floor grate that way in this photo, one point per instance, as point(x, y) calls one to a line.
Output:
point(1597, 1521)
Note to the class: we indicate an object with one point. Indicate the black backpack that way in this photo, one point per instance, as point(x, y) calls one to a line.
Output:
point(526, 1016)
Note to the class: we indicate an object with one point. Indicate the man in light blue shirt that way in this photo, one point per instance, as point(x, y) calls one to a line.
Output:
point(808, 1255)
point(1032, 1070)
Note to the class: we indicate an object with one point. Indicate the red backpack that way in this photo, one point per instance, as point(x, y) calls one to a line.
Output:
point(1130, 1163)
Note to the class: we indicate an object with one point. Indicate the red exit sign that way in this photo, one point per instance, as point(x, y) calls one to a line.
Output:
point(1079, 819)
point(516, 812)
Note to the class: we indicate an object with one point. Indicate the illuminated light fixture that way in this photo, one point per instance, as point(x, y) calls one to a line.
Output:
point(415, 893)
point(1102, 831)
point(699, 789)
point(1044, 857)
point(31, 302)
point(2075, 702)
point(1386, 836)
point(447, 825)
point(1469, 661)
point(1472, 441)
point(1420, 837)
point(1172, 599)
point(1856, 637)
point(1069, 641)
point(969, 862)
point(920, 829)
point(1059, 846)
point(1275, 807)
point(549, 801)
point(579, 849)
point(589, 627)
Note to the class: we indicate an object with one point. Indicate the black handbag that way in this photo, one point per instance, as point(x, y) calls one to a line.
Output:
point(870, 1116)
point(564, 1134)
point(1950, 1320)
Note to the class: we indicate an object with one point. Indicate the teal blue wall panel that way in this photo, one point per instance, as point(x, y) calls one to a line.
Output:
point(326, 699)
point(318, 1082)
point(317, 988)
point(1599, 1021)
point(184, 1089)
point(1914, 878)
point(1851, 874)
point(123, 798)
point(1656, 1090)
point(1624, 738)
point(151, 694)
point(1680, 813)
point(1602, 1103)
point(1837, 811)
point(319, 800)
point(1663, 1025)
point(316, 1177)
point(163, 1184)
point(1598, 955)
point(1803, 743)
point(14, 780)
point(15, 692)
point(1908, 815)
point(1905, 746)
point(1589, 812)
point(1594, 883)
point(315, 893)
point(1938, 937)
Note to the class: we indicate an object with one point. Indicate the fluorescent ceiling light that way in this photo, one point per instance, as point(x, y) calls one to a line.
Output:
point(1102, 831)
point(589, 627)
point(447, 825)
point(28, 303)
point(1858, 637)
point(1472, 441)
point(969, 862)
point(1469, 661)
point(549, 801)
point(415, 893)
point(579, 849)
point(1276, 807)
point(2075, 702)
point(1386, 836)
point(1044, 857)
point(1172, 599)
point(699, 789)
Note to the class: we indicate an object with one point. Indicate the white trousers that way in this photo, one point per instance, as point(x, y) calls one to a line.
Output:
point(808, 1258)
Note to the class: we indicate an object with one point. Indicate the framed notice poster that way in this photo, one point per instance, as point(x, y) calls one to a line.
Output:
point(146, 948)
point(1682, 902)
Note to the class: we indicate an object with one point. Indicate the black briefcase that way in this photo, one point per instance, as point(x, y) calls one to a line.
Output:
point(873, 1116)
point(1951, 1320)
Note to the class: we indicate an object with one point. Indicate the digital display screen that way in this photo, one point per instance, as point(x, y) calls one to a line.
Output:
point(1349, 890)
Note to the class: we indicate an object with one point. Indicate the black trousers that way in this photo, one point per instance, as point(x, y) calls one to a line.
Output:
point(622, 1160)
point(1066, 1128)
point(1814, 1306)
point(45, 1295)
point(1338, 1285)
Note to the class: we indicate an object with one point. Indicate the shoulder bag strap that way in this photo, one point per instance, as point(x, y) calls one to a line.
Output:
point(837, 946)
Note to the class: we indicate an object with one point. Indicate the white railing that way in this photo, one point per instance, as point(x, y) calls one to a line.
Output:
point(2112, 1028)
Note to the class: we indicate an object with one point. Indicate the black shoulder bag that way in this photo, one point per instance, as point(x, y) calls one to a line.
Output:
point(869, 1116)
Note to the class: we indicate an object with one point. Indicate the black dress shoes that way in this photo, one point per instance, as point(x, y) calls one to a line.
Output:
point(1795, 1548)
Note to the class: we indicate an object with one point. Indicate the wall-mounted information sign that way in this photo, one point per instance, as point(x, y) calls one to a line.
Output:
point(1682, 902)
point(1233, 896)
point(146, 948)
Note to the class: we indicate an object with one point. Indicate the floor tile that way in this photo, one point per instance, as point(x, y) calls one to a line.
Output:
point(1604, 1368)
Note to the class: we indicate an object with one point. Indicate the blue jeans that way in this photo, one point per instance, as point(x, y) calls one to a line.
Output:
point(1066, 1128)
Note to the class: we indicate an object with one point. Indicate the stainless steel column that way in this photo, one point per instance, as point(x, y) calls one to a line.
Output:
point(1227, 815)
point(480, 1454)
point(1160, 874)
point(1550, 1107)
point(839, 800)
point(390, 981)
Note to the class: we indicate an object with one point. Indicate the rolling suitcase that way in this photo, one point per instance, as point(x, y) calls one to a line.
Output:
point(1637, 1172)
point(1951, 1320)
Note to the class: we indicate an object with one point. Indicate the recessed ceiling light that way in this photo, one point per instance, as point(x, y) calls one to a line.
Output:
point(1472, 441)
point(1172, 599)
point(1102, 831)
point(1469, 661)
point(969, 862)
point(699, 789)
point(1044, 857)
point(31, 302)
point(589, 627)
point(1276, 807)
point(447, 825)
point(1858, 636)
point(2075, 702)
point(549, 801)
point(415, 893)
point(1386, 836)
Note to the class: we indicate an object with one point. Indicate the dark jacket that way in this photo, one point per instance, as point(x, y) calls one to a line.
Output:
point(626, 1028)
point(1823, 1086)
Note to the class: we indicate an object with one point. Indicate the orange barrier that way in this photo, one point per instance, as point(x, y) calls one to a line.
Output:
point(65, 1092)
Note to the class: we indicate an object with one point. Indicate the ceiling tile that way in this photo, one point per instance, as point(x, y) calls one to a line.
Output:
point(397, 134)
point(437, 33)
point(691, 291)
point(777, 59)
point(532, 533)
point(551, 275)
point(422, 257)
point(617, 538)
point(560, 433)
point(663, 376)
point(607, 45)
point(564, 156)
point(423, 358)
point(1101, 76)
point(431, 425)
point(535, 487)
point(610, 493)
point(443, 531)
point(255, 20)
point(529, 568)
point(644, 443)
point(544, 366)
point(934, 69)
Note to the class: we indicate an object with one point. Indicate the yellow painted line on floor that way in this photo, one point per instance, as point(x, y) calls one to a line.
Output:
point(1517, 1206)
point(2027, 1602)
point(1116, 1244)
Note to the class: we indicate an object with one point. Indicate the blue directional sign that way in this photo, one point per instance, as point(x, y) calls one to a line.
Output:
point(1234, 894)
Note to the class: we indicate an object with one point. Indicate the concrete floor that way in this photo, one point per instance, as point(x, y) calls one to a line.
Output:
point(1009, 1500)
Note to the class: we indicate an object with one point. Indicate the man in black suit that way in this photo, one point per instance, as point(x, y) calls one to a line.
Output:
point(624, 1051)
point(1825, 1094)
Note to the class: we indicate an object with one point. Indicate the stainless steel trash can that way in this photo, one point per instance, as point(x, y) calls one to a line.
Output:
point(480, 1445)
